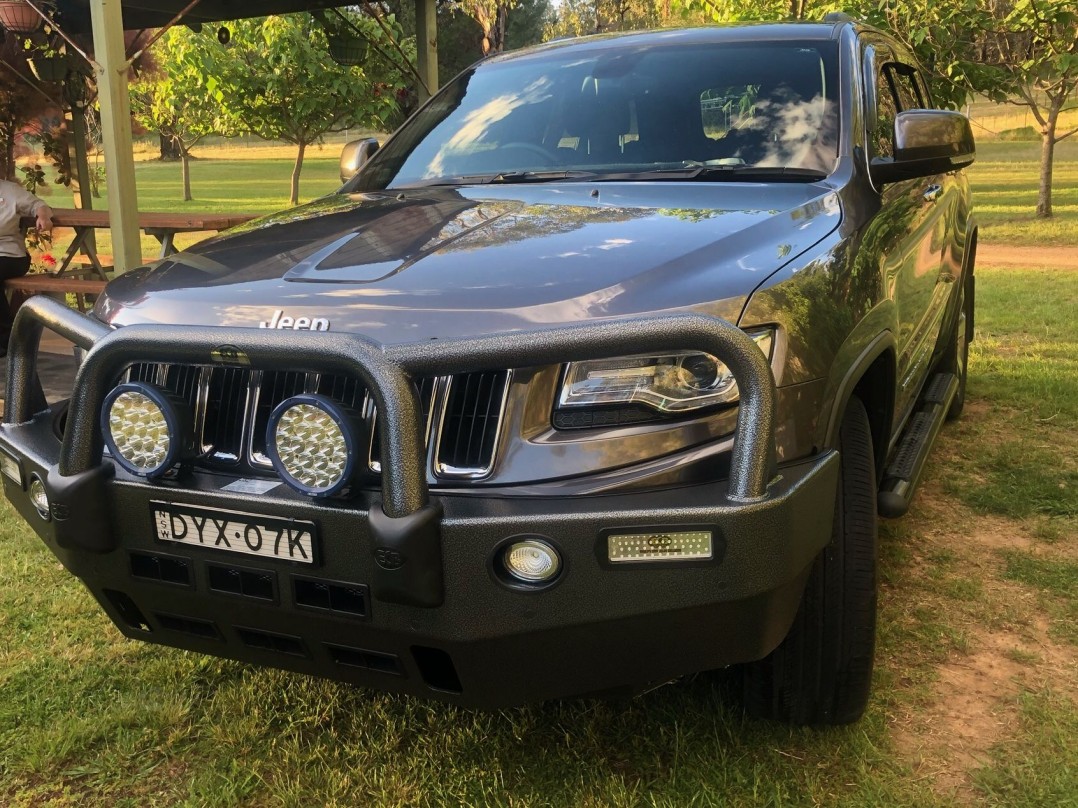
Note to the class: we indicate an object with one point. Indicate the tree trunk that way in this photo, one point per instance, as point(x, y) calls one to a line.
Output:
point(1048, 148)
point(501, 24)
point(294, 198)
point(170, 149)
point(185, 170)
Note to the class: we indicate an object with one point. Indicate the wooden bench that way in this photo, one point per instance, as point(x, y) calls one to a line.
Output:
point(68, 277)
point(27, 285)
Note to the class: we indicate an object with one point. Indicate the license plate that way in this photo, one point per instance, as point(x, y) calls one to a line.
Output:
point(232, 531)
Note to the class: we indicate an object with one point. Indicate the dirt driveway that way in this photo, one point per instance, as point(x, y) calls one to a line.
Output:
point(1007, 255)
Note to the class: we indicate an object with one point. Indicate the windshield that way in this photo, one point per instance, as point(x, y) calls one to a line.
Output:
point(563, 114)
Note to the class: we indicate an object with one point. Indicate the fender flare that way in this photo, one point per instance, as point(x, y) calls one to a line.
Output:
point(882, 343)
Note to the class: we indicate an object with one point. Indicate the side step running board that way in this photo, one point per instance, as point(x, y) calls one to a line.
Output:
point(904, 471)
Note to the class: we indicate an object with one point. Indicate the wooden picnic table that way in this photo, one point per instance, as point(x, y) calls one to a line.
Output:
point(161, 225)
point(71, 279)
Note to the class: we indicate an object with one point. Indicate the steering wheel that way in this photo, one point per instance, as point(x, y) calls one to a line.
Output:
point(534, 148)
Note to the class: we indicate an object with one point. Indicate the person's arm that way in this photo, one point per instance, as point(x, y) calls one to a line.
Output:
point(44, 217)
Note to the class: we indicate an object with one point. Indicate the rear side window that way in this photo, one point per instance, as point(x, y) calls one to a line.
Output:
point(904, 86)
point(882, 134)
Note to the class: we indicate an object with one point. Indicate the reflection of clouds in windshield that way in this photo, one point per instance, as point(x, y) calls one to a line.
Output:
point(794, 132)
point(477, 123)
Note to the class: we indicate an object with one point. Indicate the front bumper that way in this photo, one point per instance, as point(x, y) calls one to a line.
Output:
point(404, 593)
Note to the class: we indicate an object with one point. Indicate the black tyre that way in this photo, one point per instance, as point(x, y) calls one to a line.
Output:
point(957, 357)
point(822, 671)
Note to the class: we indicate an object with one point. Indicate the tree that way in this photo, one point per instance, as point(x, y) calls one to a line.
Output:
point(581, 17)
point(527, 22)
point(277, 81)
point(162, 98)
point(1022, 52)
point(492, 16)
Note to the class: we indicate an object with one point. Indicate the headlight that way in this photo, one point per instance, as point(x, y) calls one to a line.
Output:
point(147, 429)
point(314, 444)
point(672, 383)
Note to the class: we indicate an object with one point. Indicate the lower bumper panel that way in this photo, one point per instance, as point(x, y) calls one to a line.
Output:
point(483, 644)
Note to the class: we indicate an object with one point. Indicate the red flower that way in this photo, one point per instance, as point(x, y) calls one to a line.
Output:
point(48, 260)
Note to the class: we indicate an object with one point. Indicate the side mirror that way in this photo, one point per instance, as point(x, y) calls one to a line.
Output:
point(927, 142)
point(355, 155)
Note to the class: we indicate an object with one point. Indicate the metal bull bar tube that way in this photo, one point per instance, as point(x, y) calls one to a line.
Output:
point(387, 371)
point(405, 527)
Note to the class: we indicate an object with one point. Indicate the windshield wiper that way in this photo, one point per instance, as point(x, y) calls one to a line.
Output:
point(509, 177)
point(719, 173)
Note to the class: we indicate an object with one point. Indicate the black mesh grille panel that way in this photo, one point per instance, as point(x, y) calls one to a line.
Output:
point(348, 391)
point(470, 425)
point(426, 388)
point(144, 372)
point(183, 381)
point(226, 406)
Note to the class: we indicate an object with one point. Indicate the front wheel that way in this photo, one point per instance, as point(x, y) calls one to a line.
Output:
point(821, 673)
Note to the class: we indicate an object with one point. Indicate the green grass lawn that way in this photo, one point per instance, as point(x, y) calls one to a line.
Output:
point(219, 184)
point(1005, 182)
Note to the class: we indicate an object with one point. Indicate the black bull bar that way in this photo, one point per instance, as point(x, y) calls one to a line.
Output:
point(406, 524)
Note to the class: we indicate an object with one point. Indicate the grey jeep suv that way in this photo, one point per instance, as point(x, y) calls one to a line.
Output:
point(594, 375)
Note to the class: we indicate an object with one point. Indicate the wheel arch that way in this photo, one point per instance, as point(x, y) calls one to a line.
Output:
point(871, 378)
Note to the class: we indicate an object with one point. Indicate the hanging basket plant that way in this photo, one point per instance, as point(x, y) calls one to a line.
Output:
point(17, 17)
point(347, 50)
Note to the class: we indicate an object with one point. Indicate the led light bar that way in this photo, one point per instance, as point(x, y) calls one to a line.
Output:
point(659, 546)
point(11, 469)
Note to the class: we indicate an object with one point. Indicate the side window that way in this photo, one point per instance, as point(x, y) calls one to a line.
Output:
point(904, 86)
point(882, 133)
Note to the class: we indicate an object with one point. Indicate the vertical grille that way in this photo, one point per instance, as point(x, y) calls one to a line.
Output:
point(346, 390)
point(226, 411)
point(471, 422)
point(232, 407)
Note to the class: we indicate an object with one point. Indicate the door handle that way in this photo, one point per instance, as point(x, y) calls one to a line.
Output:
point(932, 193)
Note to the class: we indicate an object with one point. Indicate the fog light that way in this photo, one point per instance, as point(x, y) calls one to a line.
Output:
point(145, 428)
point(531, 561)
point(660, 546)
point(313, 443)
point(39, 497)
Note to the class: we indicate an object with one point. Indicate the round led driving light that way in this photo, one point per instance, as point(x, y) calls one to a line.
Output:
point(531, 561)
point(39, 497)
point(145, 428)
point(313, 443)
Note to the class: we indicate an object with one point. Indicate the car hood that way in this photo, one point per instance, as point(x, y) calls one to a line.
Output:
point(440, 262)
